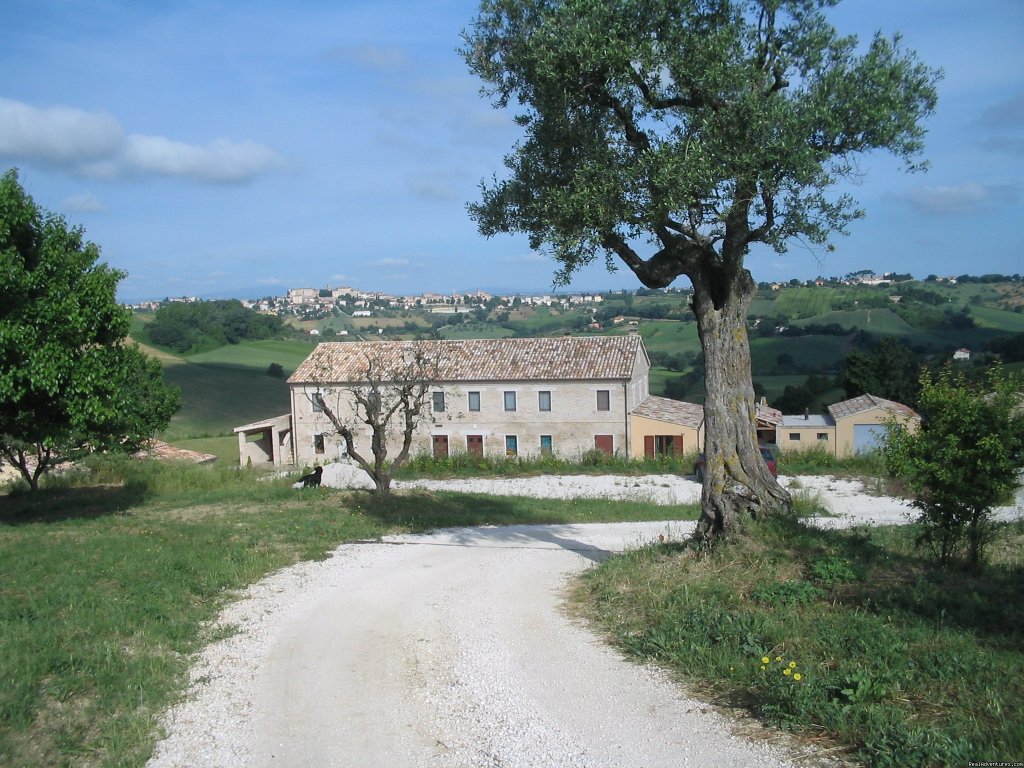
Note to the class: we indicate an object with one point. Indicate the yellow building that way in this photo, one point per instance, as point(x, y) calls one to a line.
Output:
point(852, 426)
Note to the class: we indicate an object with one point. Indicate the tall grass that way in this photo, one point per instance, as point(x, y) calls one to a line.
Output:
point(847, 637)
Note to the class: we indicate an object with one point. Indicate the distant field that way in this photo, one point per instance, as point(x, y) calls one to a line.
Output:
point(805, 302)
point(998, 319)
point(229, 386)
point(821, 353)
point(475, 331)
point(669, 336)
point(877, 321)
point(257, 354)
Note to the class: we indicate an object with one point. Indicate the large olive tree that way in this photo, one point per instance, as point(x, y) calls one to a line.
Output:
point(69, 382)
point(671, 136)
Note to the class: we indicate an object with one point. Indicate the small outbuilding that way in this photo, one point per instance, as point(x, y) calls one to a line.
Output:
point(266, 442)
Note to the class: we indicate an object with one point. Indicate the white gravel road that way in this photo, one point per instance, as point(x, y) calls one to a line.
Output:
point(452, 650)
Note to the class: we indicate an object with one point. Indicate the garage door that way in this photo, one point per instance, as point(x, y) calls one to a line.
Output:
point(868, 437)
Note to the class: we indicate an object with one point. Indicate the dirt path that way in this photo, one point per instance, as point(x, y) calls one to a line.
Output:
point(452, 650)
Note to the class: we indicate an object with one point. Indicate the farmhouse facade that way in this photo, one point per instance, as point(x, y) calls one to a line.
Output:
point(527, 397)
point(508, 397)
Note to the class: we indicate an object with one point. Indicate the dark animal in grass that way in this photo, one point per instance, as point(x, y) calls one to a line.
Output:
point(312, 479)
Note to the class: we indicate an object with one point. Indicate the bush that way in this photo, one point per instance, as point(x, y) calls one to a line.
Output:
point(963, 460)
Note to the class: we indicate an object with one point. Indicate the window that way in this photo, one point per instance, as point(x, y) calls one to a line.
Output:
point(794, 436)
point(318, 443)
point(318, 402)
point(475, 444)
point(823, 436)
point(439, 402)
point(511, 445)
point(510, 401)
point(544, 401)
point(474, 401)
point(603, 400)
point(545, 445)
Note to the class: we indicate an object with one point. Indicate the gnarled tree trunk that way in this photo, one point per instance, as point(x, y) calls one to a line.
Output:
point(737, 482)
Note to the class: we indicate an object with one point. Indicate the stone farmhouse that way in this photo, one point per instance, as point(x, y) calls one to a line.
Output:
point(527, 397)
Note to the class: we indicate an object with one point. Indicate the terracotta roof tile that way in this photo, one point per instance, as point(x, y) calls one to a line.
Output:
point(856, 405)
point(562, 358)
point(670, 411)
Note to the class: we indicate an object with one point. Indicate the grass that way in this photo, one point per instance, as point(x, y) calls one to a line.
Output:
point(899, 664)
point(593, 462)
point(109, 578)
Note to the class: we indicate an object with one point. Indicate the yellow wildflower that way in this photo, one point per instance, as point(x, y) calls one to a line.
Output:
point(797, 676)
point(764, 659)
point(787, 671)
point(792, 665)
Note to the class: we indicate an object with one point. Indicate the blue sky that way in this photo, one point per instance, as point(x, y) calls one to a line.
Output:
point(241, 148)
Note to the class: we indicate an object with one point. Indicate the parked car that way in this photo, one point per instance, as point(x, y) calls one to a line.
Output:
point(766, 454)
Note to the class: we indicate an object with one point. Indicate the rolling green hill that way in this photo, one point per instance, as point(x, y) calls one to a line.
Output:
point(229, 386)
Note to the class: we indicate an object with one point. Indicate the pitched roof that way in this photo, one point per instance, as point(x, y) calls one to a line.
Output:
point(856, 405)
point(768, 414)
point(670, 411)
point(562, 358)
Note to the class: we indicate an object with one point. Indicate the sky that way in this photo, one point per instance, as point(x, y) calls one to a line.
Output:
point(231, 148)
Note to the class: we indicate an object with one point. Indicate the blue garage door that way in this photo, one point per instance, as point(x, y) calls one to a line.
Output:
point(868, 437)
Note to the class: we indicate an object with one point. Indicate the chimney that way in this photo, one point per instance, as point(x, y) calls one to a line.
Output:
point(807, 414)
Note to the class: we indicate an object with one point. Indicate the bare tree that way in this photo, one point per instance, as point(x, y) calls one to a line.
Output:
point(392, 396)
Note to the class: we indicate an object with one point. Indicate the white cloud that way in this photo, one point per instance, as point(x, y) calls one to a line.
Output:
point(433, 190)
point(56, 134)
point(379, 58)
point(86, 202)
point(93, 144)
point(966, 198)
point(527, 258)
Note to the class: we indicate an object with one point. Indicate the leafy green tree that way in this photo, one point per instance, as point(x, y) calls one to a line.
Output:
point(965, 458)
point(671, 136)
point(68, 382)
point(890, 370)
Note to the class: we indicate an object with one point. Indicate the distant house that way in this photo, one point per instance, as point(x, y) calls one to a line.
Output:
point(962, 354)
point(847, 428)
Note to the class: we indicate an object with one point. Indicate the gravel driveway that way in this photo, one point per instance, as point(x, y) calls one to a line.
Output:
point(451, 650)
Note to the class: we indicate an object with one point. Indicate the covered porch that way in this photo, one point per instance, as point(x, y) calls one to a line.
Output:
point(265, 442)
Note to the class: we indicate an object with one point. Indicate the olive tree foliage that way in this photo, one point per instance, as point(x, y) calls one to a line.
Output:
point(965, 458)
point(391, 400)
point(671, 136)
point(69, 384)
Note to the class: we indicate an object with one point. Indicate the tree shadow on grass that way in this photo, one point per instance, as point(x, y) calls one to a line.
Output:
point(897, 579)
point(53, 505)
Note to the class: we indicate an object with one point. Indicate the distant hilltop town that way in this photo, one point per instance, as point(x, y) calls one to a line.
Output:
point(360, 303)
